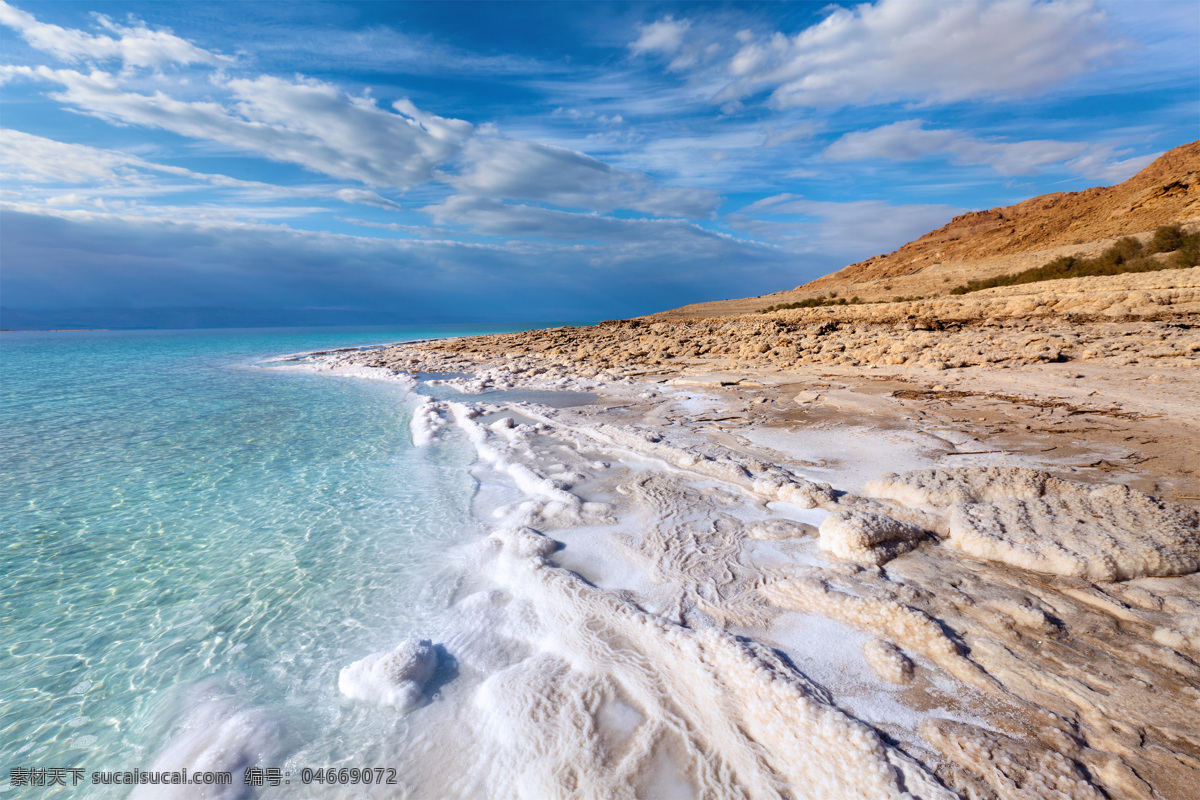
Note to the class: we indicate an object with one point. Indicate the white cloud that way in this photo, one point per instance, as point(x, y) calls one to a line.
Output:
point(492, 217)
point(773, 136)
point(135, 45)
point(908, 50)
point(521, 169)
point(1102, 166)
point(305, 122)
point(664, 36)
point(909, 140)
point(103, 173)
point(318, 126)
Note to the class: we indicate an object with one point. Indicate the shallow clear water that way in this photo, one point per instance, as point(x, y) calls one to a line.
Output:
point(181, 525)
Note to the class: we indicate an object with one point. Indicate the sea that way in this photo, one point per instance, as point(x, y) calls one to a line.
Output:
point(196, 535)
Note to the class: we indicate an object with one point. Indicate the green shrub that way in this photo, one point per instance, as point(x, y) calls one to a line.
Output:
point(813, 302)
point(1125, 249)
point(1166, 238)
point(1188, 253)
point(1125, 255)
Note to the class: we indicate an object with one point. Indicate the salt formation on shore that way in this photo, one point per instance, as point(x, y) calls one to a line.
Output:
point(607, 695)
point(1029, 519)
point(866, 537)
point(656, 651)
point(699, 586)
point(395, 678)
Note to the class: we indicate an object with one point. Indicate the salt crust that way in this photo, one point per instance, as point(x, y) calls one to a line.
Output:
point(1014, 771)
point(954, 486)
point(583, 657)
point(760, 478)
point(426, 422)
point(776, 529)
point(750, 725)
point(1113, 534)
point(866, 537)
point(1029, 519)
point(394, 678)
point(762, 730)
point(882, 617)
point(888, 661)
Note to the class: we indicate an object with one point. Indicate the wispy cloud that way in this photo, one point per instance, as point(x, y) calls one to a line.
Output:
point(499, 167)
point(851, 230)
point(489, 216)
point(305, 122)
point(584, 162)
point(901, 50)
point(135, 45)
point(138, 261)
point(96, 174)
point(909, 140)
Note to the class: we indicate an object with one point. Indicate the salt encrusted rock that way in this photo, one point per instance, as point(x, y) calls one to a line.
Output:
point(1008, 768)
point(866, 537)
point(525, 542)
point(780, 529)
point(1113, 533)
point(395, 678)
point(1029, 519)
point(946, 487)
point(888, 661)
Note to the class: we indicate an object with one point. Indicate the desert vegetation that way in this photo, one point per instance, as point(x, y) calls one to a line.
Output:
point(814, 302)
point(1169, 248)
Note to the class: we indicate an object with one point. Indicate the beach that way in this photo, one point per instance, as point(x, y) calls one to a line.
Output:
point(933, 549)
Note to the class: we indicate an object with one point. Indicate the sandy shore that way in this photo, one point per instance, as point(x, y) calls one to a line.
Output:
point(846, 554)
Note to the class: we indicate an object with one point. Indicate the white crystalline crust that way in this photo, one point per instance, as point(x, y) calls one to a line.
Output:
point(426, 422)
point(866, 537)
point(1012, 770)
point(574, 690)
point(947, 487)
point(1108, 536)
point(731, 716)
point(744, 723)
point(888, 661)
point(779, 529)
point(1029, 519)
point(880, 617)
point(394, 678)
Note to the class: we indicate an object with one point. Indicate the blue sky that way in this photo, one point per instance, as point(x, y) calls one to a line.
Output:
point(533, 161)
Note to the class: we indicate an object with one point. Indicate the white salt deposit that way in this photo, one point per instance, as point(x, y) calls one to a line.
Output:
point(866, 537)
point(952, 486)
point(1108, 535)
point(888, 661)
point(636, 684)
point(219, 735)
point(1014, 770)
point(1029, 519)
point(780, 529)
point(697, 710)
point(426, 422)
point(394, 678)
point(733, 717)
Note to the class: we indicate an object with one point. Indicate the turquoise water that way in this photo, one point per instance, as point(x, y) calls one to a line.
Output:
point(183, 527)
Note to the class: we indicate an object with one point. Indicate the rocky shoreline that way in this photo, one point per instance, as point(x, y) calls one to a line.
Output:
point(1003, 497)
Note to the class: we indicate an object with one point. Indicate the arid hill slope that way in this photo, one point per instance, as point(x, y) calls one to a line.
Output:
point(981, 244)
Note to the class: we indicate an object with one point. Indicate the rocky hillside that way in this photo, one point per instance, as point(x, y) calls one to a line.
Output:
point(981, 244)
